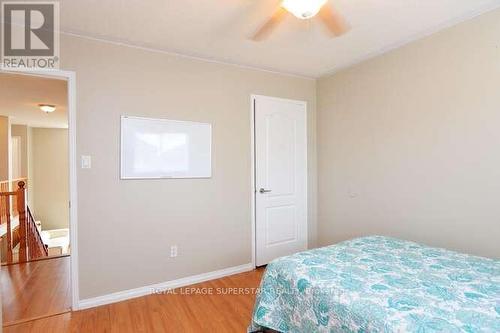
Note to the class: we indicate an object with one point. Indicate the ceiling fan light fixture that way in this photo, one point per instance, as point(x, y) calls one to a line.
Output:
point(303, 9)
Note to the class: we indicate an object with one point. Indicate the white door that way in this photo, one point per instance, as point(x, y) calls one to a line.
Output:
point(280, 178)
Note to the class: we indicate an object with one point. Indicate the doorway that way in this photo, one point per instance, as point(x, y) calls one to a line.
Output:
point(42, 144)
point(280, 177)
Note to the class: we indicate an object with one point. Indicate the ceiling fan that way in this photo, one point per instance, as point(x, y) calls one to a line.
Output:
point(304, 10)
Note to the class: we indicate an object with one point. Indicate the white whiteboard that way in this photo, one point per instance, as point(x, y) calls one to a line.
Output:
point(161, 148)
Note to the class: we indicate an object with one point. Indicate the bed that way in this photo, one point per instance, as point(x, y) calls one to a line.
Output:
point(379, 284)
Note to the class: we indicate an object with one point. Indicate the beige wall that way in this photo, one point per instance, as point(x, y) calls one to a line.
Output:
point(50, 181)
point(22, 131)
point(126, 228)
point(31, 171)
point(408, 143)
point(4, 148)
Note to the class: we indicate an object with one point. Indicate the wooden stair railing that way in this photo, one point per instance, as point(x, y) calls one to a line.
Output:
point(10, 186)
point(30, 242)
point(4, 208)
point(6, 218)
point(36, 247)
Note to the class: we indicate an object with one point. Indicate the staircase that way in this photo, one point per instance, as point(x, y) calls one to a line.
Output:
point(19, 234)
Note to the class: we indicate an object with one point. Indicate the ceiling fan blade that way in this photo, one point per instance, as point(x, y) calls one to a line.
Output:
point(332, 19)
point(266, 29)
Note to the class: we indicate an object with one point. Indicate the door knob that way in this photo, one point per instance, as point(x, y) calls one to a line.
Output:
point(262, 191)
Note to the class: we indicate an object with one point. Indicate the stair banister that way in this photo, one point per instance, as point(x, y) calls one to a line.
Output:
point(27, 235)
point(21, 208)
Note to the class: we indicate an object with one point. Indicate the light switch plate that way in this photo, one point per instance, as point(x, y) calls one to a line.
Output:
point(86, 162)
point(173, 251)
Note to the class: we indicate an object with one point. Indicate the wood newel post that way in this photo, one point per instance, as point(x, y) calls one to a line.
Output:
point(21, 208)
point(9, 230)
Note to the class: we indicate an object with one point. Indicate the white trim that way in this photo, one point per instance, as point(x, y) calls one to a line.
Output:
point(252, 174)
point(253, 189)
point(163, 286)
point(70, 77)
point(413, 38)
point(75, 290)
point(9, 153)
point(187, 56)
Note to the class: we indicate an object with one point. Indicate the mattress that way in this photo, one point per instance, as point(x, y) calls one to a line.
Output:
point(379, 284)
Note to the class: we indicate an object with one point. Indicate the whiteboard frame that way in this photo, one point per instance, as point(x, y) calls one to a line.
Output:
point(122, 177)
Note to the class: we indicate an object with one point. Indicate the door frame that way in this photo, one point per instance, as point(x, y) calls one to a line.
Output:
point(70, 78)
point(253, 189)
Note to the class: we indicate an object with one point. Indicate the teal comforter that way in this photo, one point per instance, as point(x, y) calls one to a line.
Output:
point(379, 284)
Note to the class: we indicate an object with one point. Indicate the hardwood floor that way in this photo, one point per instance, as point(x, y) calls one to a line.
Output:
point(35, 289)
point(222, 308)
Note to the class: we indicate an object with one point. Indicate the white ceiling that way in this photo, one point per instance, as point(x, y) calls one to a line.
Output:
point(21, 94)
point(218, 29)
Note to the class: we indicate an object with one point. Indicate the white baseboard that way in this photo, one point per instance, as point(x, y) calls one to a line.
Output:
point(148, 290)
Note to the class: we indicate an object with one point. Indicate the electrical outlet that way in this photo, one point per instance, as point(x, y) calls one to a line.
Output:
point(173, 251)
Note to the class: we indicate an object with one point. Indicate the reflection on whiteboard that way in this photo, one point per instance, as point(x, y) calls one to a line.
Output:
point(160, 148)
